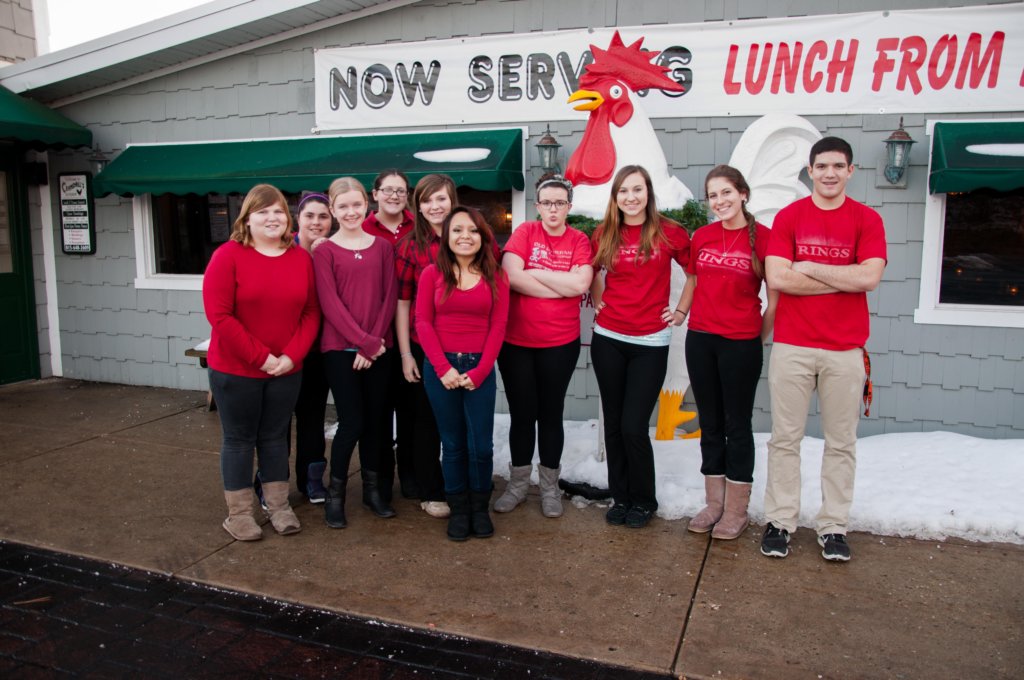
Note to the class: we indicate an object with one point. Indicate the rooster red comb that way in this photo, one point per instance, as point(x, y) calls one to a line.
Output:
point(631, 65)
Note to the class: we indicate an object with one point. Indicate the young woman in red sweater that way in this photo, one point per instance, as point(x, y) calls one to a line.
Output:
point(355, 280)
point(461, 311)
point(724, 351)
point(635, 247)
point(260, 300)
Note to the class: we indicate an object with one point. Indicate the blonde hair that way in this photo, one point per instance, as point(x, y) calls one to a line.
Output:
point(343, 185)
point(259, 197)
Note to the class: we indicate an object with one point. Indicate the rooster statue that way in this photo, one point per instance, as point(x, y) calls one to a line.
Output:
point(618, 130)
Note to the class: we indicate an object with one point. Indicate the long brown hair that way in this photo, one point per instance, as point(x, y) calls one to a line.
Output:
point(428, 185)
point(651, 233)
point(736, 179)
point(484, 260)
point(259, 197)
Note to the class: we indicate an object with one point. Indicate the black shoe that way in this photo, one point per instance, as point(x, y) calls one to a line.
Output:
point(458, 521)
point(409, 487)
point(638, 517)
point(616, 515)
point(371, 496)
point(334, 507)
point(835, 547)
point(775, 541)
point(479, 514)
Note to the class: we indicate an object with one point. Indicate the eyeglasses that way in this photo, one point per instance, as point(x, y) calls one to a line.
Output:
point(391, 191)
point(548, 205)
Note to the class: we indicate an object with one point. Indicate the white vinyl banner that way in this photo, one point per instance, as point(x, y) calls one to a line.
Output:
point(944, 60)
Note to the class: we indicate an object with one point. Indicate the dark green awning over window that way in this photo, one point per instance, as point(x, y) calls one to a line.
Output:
point(489, 160)
point(969, 156)
point(23, 120)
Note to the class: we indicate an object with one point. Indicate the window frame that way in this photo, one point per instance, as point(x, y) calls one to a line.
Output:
point(929, 309)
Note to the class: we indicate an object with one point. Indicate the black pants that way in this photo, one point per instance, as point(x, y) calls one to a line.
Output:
point(536, 379)
point(360, 397)
point(399, 429)
point(254, 416)
point(724, 374)
point(426, 441)
point(310, 412)
point(629, 377)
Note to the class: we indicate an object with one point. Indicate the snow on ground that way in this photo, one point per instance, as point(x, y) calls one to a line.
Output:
point(930, 485)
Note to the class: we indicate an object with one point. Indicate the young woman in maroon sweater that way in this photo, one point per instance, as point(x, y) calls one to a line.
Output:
point(355, 279)
point(461, 311)
point(260, 300)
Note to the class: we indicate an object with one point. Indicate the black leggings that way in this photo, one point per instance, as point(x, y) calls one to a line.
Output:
point(536, 379)
point(724, 374)
point(361, 398)
point(426, 447)
point(310, 412)
point(629, 377)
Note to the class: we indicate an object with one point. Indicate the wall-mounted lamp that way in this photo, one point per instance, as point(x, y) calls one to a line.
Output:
point(547, 150)
point(897, 150)
point(98, 160)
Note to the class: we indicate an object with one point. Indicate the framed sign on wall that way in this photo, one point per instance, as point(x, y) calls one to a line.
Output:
point(77, 216)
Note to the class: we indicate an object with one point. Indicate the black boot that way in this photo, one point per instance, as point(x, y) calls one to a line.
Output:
point(480, 517)
point(371, 496)
point(334, 508)
point(458, 521)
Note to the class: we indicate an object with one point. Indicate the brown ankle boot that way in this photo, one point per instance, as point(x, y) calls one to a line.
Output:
point(734, 521)
point(714, 498)
point(281, 514)
point(240, 523)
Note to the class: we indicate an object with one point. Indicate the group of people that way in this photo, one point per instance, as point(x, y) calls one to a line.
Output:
point(404, 316)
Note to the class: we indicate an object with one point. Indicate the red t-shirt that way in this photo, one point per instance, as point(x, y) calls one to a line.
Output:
point(850, 234)
point(727, 299)
point(371, 225)
point(259, 305)
point(636, 290)
point(468, 321)
point(545, 322)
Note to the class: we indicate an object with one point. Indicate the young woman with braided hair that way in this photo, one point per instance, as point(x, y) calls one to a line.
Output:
point(724, 351)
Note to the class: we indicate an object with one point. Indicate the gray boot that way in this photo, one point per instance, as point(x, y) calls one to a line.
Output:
point(515, 492)
point(550, 494)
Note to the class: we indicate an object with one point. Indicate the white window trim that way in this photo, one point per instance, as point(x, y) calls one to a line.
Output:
point(929, 309)
point(145, 254)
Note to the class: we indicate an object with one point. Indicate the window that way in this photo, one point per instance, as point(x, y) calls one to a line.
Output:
point(972, 267)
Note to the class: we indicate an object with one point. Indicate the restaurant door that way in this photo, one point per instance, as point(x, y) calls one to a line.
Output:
point(19, 354)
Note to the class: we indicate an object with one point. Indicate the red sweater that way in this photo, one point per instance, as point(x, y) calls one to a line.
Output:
point(257, 306)
point(468, 321)
point(636, 290)
point(358, 293)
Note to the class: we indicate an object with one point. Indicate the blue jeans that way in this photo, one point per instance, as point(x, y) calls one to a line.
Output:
point(465, 419)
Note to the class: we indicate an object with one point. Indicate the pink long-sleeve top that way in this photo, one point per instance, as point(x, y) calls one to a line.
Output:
point(469, 321)
point(358, 294)
point(259, 305)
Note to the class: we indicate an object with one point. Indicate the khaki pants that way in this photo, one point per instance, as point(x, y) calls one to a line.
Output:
point(793, 374)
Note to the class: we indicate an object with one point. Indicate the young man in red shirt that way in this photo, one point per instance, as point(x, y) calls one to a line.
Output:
point(826, 252)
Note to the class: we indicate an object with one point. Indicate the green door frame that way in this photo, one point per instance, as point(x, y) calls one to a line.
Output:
point(18, 287)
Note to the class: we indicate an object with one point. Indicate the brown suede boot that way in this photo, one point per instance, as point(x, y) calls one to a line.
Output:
point(734, 521)
point(281, 514)
point(714, 499)
point(240, 523)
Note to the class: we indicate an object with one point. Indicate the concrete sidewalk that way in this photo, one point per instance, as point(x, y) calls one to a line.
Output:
point(131, 475)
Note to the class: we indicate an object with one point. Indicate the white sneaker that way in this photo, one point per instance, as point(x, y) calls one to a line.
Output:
point(437, 509)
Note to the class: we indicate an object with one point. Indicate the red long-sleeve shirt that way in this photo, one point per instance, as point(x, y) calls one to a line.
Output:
point(470, 321)
point(259, 305)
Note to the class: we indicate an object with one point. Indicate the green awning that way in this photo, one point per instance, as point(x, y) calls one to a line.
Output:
point(969, 156)
point(23, 120)
point(489, 160)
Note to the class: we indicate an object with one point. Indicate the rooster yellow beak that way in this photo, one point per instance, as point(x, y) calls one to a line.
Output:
point(589, 100)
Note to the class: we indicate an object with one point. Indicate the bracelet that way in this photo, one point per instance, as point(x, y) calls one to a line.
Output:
point(681, 312)
point(406, 354)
